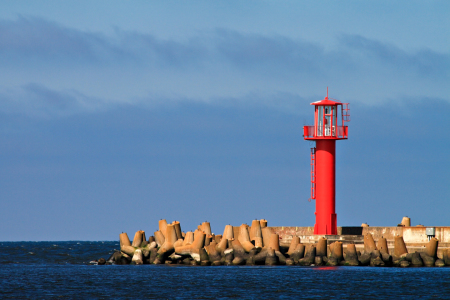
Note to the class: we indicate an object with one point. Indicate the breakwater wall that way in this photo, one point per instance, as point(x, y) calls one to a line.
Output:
point(411, 234)
point(415, 237)
point(258, 244)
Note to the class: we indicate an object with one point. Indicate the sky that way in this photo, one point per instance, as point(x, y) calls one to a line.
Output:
point(116, 114)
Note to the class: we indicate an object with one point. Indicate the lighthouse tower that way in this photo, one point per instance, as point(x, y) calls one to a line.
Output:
point(326, 130)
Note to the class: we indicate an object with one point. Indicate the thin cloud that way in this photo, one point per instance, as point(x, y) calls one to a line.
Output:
point(216, 67)
point(37, 37)
point(39, 101)
point(423, 62)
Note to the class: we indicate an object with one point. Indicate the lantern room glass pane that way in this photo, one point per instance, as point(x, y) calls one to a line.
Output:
point(334, 112)
point(327, 120)
point(320, 121)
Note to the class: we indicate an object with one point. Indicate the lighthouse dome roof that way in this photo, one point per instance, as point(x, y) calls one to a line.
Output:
point(326, 102)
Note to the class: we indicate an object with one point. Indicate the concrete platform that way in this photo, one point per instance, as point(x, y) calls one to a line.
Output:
point(415, 237)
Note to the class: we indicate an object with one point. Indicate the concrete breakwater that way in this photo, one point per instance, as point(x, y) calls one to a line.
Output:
point(258, 244)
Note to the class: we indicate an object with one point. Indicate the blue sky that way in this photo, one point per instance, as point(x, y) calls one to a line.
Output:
point(116, 114)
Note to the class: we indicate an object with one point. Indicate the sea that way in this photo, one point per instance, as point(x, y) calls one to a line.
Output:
point(63, 270)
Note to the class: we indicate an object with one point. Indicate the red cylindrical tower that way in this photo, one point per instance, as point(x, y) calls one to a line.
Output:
point(323, 160)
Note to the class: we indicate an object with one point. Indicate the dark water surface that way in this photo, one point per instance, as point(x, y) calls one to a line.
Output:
point(61, 270)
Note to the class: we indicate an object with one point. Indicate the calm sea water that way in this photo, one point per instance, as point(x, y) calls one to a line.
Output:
point(61, 270)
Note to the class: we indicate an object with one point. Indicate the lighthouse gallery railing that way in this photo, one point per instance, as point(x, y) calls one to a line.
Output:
point(342, 132)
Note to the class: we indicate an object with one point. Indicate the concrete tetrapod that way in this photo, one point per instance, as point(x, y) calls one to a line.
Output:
point(321, 248)
point(255, 230)
point(257, 234)
point(299, 253)
point(146, 250)
point(240, 256)
point(252, 254)
point(432, 247)
point(369, 243)
point(274, 242)
point(399, 246)
point(281, 257)
point(153, 254)
point(194, 249)
point(214, 255)
point(440, 263)
point(138, 238)
point(239, 251)
point(162, 226)
point(290, 261)
point(258, 242)
point(217, 238)
point(336, 254)
point(263, 223)
point(364, 259)
point(128, 250)
point(124, 259)
point(266, 233)
point(406, 221)
point(144, 239)
point(319, 260)
point(337, 251)
point(446, 257)
point(178, 243)
point(115, 256)
point(170, 239)
point(387, 258)
point(206, 228)
point(258, 258)
point(351, 258)
point(375, 259)
point(208, 239)
point(161, 256)
point(428, 261)
point(178, 231)
point(430, 255)
point(204, 258)
point(229, 256)
point(125, 245)
point(382, 245)
point(138, 257)
point(294, 243)
point(188, 239)
point(310, 257)
point(124, 240)
point(174, 258)
point(416, 260)
point(203, 255)
point(236, 230)
point(159, 237)
point(271, 258)
point(330, 249)
point(223, 245)
point(186, 261)
point(228, 232)
point(244, 238)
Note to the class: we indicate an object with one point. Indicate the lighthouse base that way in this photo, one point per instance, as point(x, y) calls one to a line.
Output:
point(326, 228)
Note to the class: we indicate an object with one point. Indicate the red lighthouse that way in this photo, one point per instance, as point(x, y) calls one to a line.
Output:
point(325, 132)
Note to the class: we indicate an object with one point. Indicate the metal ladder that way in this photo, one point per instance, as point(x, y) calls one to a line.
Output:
point(313, 174)
point(346, 112)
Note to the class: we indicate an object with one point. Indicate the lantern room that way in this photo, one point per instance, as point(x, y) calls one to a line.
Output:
point(327, 116)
